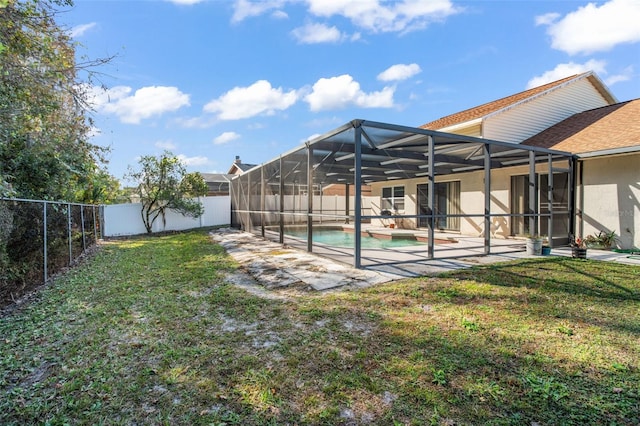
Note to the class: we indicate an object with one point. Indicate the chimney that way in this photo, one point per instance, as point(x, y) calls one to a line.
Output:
point(238, 160)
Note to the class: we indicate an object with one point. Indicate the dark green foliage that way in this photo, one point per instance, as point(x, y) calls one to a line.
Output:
point(44, 125)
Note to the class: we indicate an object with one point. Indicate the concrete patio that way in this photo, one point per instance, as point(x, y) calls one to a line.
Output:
point(273, 265)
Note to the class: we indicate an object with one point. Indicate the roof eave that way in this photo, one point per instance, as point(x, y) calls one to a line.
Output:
point(590, 75)
point(458, 126)
point(608, 152)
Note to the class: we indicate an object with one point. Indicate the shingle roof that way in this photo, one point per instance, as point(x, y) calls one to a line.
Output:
point(491, 107)
point(610, 127)
point(244, 167)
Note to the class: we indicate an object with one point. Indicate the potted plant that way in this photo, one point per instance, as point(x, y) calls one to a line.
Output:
point(387, 221)
point(534, 245)
point(578, 248)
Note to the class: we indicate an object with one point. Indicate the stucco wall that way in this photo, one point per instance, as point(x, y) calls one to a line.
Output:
point(609, 198)
point(471, 198)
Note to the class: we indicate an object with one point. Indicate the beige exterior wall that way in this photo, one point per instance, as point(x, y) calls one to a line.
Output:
point(471, 198)
point(609, 198)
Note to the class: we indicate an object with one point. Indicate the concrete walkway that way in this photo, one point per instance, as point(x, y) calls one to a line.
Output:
point(274, 266)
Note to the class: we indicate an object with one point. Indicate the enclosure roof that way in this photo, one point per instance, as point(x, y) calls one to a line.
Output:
point(216, 177)
point(390, 152)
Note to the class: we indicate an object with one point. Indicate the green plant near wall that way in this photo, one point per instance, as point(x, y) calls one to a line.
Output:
point(602, 239)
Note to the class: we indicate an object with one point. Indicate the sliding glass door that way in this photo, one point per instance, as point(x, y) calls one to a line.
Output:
point(447, 202)
point(560, 206)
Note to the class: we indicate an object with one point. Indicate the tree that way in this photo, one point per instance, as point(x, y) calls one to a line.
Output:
point(164, 184)
point(44, 115)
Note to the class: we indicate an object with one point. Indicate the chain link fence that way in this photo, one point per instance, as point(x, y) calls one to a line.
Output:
point(40, 238)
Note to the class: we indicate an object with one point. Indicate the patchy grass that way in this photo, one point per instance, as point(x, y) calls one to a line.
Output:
point(149, 332)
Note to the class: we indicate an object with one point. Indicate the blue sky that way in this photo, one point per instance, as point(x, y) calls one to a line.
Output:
point(209, 80)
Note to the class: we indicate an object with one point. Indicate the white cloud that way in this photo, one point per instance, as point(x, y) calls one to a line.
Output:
point(317, 33)
point(225, 137)
point(372, 15)
point(168, 145)
point(341, 91)
point(144, 103)
point(243, 9)
point(546, 19)
point(244, 102)
point(279, 14)
point(185, 2)
point(625, 75)
point(567, 70)
point(193, 161)
point(311, 137)
point(79, 30)
point(93, 132)
point(399, 72)
point(376, 16)
point(593, 28)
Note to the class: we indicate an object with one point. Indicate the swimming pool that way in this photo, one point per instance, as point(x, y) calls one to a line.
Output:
point(340, 238)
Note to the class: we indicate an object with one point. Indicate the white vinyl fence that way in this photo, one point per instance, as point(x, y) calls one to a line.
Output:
point(125, 219)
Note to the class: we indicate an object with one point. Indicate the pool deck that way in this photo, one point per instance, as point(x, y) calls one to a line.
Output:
point(270, 265)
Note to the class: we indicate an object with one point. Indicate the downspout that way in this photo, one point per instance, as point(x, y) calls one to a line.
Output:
point(580, 216)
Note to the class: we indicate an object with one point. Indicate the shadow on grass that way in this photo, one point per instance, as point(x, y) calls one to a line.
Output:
point(435, 371)
point(561, 275)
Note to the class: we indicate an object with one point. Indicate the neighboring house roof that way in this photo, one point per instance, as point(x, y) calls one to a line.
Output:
point(238, 167)
point(216, 177)
point(603, 129)
point(245, 167)
point(509, 101)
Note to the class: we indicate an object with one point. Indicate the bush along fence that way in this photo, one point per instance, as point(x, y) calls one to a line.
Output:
point(39, 238)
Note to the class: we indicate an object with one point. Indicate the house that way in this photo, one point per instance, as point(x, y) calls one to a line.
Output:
point(487, 172)
point(606, 142)
point(511, 119)
point(238, 167)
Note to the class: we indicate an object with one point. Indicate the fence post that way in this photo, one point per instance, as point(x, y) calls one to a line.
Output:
point(84, 245)
point(44, 228)
point(95, 229)
point(69, 233)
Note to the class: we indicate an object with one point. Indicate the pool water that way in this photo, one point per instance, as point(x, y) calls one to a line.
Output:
point(339, 238)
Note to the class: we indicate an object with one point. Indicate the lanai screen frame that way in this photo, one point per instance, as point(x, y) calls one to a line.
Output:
point(366, 152)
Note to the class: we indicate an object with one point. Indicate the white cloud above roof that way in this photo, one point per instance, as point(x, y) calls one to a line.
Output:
point(186, 2)
point(168, 145)
point(225, 137)
point(245, 102)
point(372, 15)
point(594, 28)
point(565, 70)
point(193, 161)
point(376, 16)
point(80, 30)
point(342, 91)
point(243, 9)
point(143, 103)
point(314, 33)
point(399, 72)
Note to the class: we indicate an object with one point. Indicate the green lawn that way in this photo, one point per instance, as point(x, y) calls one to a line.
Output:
point(149, 332)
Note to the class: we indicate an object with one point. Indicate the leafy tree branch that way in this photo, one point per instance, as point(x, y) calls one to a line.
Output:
point(164, 184)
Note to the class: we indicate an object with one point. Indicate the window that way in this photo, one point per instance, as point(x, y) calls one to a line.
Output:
point(392, 199)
